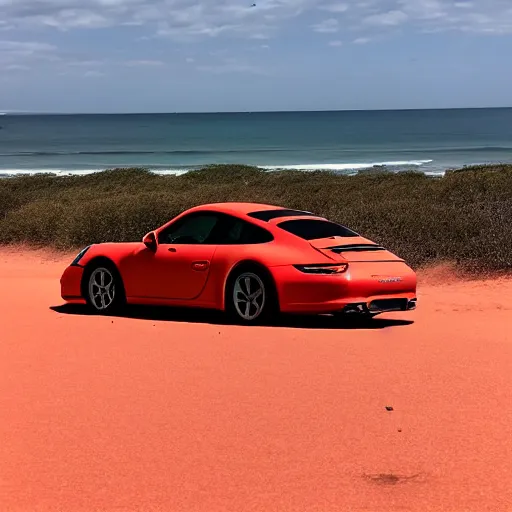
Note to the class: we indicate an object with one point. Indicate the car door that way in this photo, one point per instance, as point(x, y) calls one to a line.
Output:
point(181, 263)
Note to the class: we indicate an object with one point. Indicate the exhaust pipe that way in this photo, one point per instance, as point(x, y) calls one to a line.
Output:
point(380, 306)
point(355, 309)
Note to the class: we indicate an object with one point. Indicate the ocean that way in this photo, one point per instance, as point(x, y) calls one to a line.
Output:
point(345, 142)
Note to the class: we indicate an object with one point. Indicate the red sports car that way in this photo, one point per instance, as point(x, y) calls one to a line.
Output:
point(249, 260)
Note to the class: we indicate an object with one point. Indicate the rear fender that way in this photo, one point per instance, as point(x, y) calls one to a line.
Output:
point(256, 266)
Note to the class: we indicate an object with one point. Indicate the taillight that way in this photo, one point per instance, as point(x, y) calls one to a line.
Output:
point(323, 268)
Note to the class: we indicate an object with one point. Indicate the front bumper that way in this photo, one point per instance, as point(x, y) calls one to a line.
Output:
point(71, 284)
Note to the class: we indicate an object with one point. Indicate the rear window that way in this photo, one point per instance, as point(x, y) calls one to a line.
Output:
point(267, 215)
point(312, 229)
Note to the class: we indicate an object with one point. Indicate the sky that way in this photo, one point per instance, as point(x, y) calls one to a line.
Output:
point(230, 55)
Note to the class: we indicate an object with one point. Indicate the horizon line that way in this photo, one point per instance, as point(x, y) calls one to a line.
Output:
point(56, 113)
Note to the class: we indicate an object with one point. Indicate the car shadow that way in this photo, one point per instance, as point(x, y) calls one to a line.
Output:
point(203, 316)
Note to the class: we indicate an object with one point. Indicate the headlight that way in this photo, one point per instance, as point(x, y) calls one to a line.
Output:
point(326, 269)
point(79, 256)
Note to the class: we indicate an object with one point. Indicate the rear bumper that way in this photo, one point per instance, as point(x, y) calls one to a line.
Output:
point(355, 305)
point(376, 288)
point(71, 285)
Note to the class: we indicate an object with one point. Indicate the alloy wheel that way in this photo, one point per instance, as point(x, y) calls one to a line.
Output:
point(102, 288)
point(249, 296)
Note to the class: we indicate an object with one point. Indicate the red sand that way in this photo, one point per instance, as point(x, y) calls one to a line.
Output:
point(119, 414)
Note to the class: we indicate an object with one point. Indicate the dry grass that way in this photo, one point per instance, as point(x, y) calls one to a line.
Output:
point(464, 217)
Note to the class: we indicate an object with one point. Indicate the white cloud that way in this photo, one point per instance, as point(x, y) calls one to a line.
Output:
point(71, 18)
point(5, 26)
point(96, 68)
point(144, 63)
point(191, 20)
point(425, 9)
point(231, 66)
point(93, 74)
point(361, 40)
point(181, 19)
point(327, 26)
point(85, 63)
point(23, 55)
point(387, 18)
point(17, 67)
point(489, 17)
point(336, 43)
point(25, 47)
point(339, 7)
point(260, 35)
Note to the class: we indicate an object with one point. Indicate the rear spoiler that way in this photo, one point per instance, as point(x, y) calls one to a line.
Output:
point(355, 248)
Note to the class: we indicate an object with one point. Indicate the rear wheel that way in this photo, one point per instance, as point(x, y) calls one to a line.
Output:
point(103, 288)
point(250, 296)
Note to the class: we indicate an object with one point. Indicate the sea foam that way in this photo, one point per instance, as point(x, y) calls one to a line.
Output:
point(75, 172)
point(345, 166)
point(349, 168)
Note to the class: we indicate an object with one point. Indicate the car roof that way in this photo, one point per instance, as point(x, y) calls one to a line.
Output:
point(237, 208)
point(246, 209)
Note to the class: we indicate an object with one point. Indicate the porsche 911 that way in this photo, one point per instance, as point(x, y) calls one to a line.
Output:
point(252, 261)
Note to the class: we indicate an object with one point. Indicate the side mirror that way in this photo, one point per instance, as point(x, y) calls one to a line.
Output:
point(150, 241)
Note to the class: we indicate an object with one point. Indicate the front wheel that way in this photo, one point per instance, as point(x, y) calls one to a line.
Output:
point(103, 289)
point(250, 297)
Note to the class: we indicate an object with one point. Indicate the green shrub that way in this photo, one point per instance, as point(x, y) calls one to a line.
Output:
point(465, 216)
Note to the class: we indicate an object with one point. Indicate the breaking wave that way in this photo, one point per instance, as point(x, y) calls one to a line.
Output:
point(345, 167)
point(339, 167)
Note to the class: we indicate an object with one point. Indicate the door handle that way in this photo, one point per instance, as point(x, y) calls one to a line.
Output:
point(171, 249)
point(200, 265)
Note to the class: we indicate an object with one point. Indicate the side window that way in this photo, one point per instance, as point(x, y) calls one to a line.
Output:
point(232, 231)
point(252, 234)
point(195, 228)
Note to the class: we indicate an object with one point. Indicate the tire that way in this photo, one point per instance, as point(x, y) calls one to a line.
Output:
point(262, 305)
point(102, 288)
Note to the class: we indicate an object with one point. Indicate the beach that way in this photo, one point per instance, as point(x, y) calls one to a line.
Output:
point(168, 410)
point(182, 412)
point(266, 160)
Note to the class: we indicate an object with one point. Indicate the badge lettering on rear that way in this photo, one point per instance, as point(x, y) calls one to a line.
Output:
point(390, 280)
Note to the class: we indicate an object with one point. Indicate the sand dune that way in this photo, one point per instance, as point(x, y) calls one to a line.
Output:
point(179, 412)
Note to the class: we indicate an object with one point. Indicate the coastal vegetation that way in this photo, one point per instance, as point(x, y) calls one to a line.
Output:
point(464, 217)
